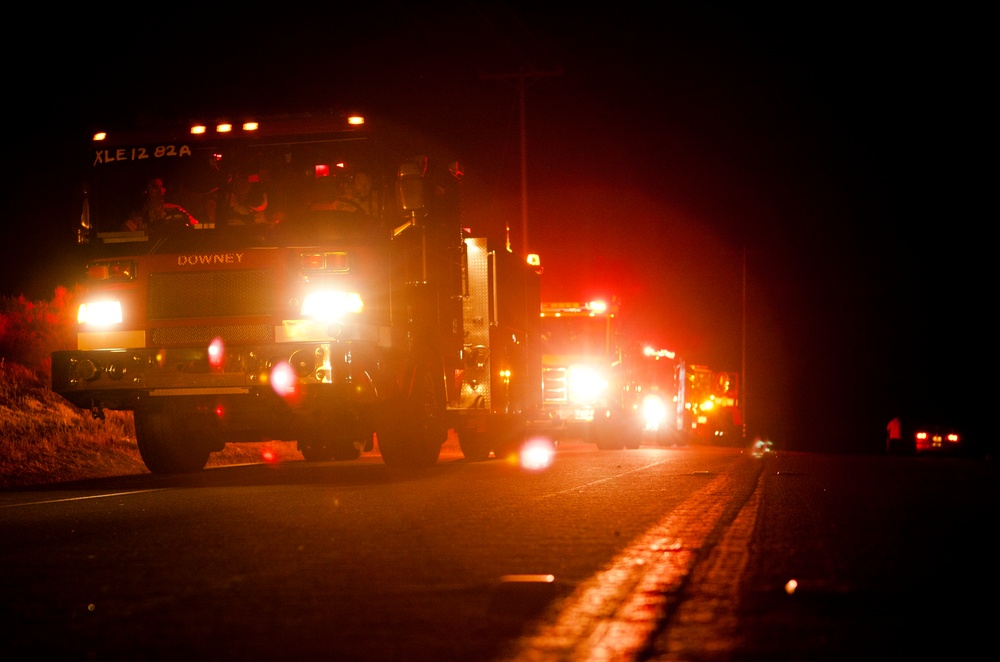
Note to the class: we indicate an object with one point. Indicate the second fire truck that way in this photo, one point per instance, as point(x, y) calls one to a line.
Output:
point(583, 375)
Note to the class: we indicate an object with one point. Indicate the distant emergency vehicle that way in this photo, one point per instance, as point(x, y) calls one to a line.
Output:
point(583, 377)
point(653, 390)
point(710, 401)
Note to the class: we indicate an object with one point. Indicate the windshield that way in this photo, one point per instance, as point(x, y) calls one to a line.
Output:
point(146, 189)
point(576, 335)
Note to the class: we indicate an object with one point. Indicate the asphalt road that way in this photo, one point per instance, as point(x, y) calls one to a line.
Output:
point(849, 557)
point(666, 554)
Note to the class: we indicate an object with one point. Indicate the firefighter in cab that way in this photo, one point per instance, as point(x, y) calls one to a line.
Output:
point(247, 201)
point(156, 213)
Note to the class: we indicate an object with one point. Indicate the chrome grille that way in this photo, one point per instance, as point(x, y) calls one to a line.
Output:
point(203, 335)
point(554, 387)
point(210, 294)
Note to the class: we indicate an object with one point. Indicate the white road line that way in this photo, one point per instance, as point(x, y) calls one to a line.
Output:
point(84, 498)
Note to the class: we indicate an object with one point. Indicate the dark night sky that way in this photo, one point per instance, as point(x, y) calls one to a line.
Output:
point(835, 147)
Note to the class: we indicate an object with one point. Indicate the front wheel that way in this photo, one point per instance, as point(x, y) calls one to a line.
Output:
point(606, 436)
point(410, 429)
point(342, 450)
point(504, 438)
point(476, 445)
point(167, 444)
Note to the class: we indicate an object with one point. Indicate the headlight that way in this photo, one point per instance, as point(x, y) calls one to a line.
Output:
point(586, 384)
point(654, 412)
point(331, 305)
point(100, 313)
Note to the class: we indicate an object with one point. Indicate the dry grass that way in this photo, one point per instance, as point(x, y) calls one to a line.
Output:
point(44, 439)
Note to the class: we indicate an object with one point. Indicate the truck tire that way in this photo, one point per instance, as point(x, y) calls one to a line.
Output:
point(323, 440)
point(606, 436)
point(410, 429)
point(504, 438)
point(315, 452)
point(510, 438)
point(633, 433)
point(167, 444)
point(476, 446)
point(342, 450)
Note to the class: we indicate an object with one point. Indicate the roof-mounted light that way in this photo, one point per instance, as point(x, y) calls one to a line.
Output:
point(598, 306)
point(658, 353)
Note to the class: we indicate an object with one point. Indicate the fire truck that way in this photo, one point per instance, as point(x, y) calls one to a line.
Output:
point(653, 388)
point(583, 377)
point(710, 401)
point(303, 278)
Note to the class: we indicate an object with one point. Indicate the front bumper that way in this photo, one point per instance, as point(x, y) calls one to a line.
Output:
point(119, 379)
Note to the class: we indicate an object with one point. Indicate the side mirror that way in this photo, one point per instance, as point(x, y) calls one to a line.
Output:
point(411, 187)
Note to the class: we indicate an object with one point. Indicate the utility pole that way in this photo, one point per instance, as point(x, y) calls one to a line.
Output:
point(521, 76)
point(743, 367)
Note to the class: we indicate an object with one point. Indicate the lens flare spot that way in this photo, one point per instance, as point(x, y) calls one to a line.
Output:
point(283, 380)
point(216, 353)
point(537, 454)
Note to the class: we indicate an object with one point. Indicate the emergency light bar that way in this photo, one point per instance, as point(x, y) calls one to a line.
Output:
point(591, 308)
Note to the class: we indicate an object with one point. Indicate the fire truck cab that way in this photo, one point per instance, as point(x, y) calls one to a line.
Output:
point(295, 278)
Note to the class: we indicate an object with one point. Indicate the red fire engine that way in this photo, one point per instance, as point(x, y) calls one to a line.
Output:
point(583, 378)
point(296, 278)
point(653, 390)
point(710, 401)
